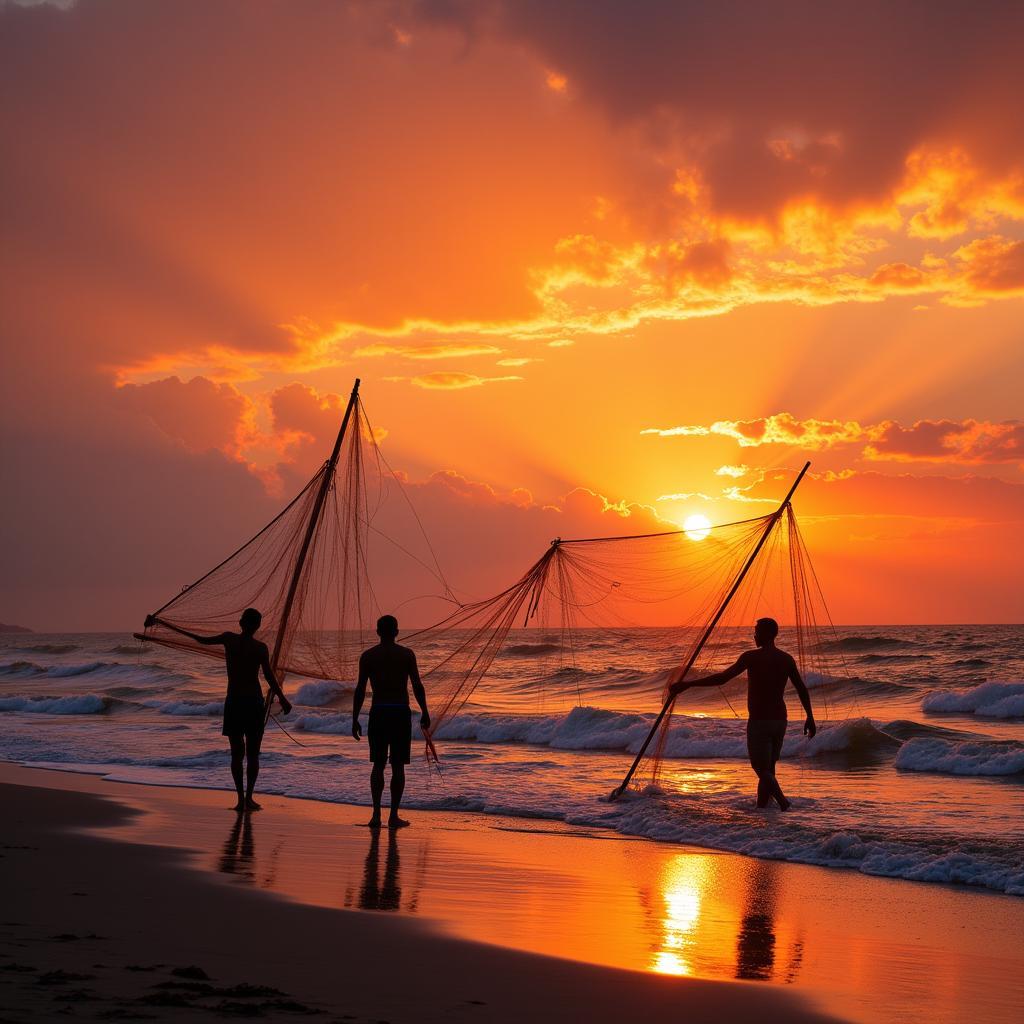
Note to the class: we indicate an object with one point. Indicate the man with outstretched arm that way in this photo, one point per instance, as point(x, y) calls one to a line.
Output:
point(244, 656)
point(768, 670)
point(388, 668)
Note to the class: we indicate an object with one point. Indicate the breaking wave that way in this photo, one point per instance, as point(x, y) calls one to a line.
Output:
point(585, 728)
point(682, 820)
point(85, 704)
point(982, 757)
point(187, 708)
point(318, 693)
point(148, 672)
point(989, 700)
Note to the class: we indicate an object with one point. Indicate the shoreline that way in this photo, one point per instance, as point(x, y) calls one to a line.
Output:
point(123, 929)
point(622, 907)
point(114, 774)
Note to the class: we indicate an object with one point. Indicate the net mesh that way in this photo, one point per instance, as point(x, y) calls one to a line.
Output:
point(349, 548)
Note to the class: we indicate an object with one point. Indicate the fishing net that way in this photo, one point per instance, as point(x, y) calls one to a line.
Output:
point(349, 547)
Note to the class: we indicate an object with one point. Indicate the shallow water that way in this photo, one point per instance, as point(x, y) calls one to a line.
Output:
point(917, 771)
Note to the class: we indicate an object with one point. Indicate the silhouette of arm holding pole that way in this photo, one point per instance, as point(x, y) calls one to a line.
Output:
point(716, 679)
point(207, 641)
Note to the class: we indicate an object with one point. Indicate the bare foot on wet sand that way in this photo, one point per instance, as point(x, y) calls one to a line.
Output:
point(396, 822)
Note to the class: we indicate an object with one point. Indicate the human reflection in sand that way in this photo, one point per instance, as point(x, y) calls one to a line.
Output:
point(379, 893)
point(238, 854)
point(757, 942)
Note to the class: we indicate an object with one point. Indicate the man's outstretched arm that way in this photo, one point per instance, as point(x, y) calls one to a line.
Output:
point(271, 678)
point(713, 680)
point(810, 728)
point(206, 641)
point(357, 699)
point(418, 691)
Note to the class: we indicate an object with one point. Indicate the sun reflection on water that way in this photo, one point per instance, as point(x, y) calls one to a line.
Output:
point(680, 886)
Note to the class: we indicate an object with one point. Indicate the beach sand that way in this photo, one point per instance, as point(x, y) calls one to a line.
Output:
point(459, 917)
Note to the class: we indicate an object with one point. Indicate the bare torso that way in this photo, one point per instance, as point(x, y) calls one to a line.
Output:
point(243, 656)
point(768, 671)
point(388, 668)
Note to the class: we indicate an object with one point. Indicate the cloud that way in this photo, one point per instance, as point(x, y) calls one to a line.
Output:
point(451, 381)
point(479, 492)
point(900, 278)
point(969, 442)
point(199, 413)
point(782, 428)
point(453, 350)
point(964, 442)
point(685, 496)
point(736, 161)
point(993, 266)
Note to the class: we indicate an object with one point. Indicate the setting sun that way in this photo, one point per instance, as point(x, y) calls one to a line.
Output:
point(697, 527)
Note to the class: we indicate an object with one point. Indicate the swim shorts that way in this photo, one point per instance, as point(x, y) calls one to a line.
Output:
point(389, 729)
point(243, 716)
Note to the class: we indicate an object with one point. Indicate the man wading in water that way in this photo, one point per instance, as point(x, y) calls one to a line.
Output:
point(768, 670)
point(243, 705)
point(388, 668)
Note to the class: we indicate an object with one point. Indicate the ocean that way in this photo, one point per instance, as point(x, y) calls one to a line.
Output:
point(917, 771)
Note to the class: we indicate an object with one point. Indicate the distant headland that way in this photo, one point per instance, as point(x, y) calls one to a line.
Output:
point(5, 628)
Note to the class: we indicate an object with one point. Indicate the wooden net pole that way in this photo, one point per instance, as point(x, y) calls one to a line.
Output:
point(307, 540)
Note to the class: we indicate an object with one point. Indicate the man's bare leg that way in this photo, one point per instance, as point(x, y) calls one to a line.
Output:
point(237, 757)
point(252, 770)
point(780, 797)
point(376, 791)
point(397, 789)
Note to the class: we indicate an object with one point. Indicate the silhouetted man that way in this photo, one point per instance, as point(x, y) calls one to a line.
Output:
point(768, 670)
point(388, 668)
point(244, 703)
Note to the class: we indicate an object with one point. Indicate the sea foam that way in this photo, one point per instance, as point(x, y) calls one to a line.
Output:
point(967, 758)
point(320, 692)
point(85, 704)
point(989, 700)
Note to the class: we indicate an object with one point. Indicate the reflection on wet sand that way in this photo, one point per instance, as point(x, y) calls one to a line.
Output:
point(757, 943)
point(571, 893)
point(681, 885)
point(381, 885)
point(377, 893)
point(694, 932)
point(238, 855)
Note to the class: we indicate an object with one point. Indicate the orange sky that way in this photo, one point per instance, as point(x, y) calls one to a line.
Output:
point(655, 251)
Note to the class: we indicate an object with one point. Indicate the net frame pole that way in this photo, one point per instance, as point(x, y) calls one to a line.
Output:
point(307, 540)
point(670, 700)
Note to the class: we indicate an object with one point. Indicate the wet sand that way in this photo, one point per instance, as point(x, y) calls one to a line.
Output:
point(489, 918)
